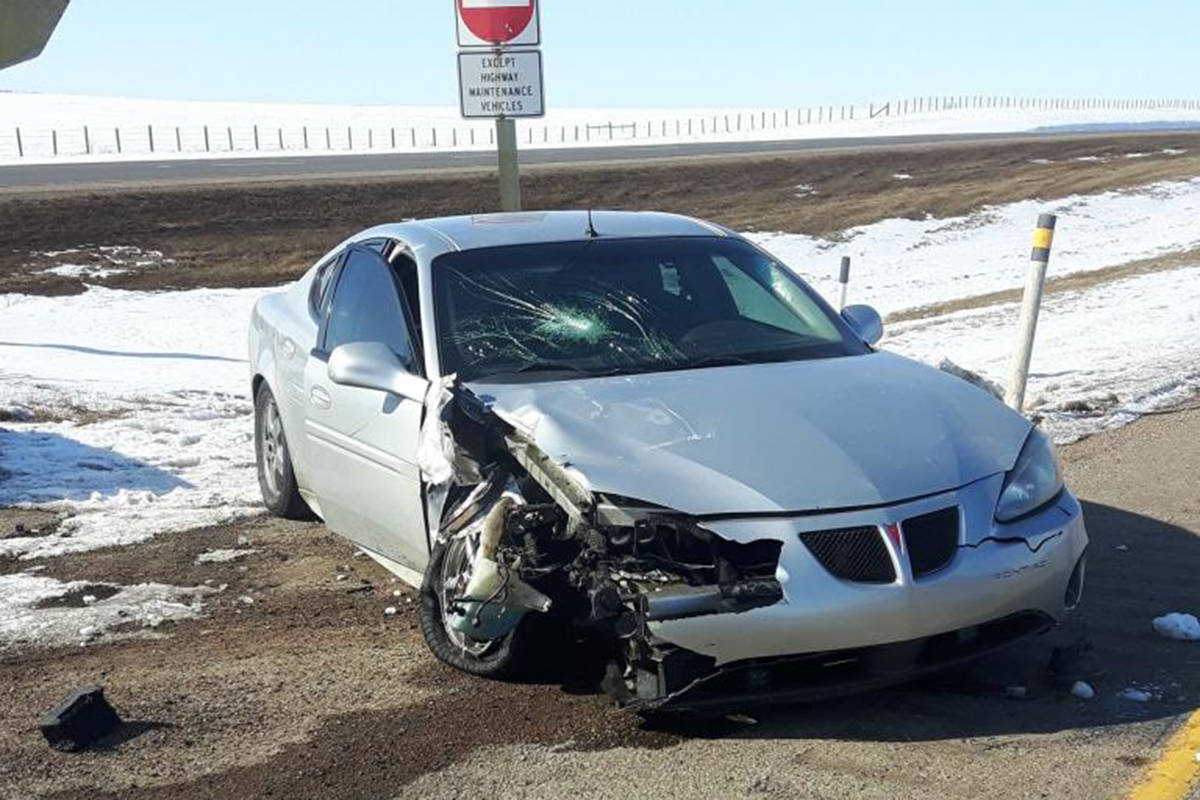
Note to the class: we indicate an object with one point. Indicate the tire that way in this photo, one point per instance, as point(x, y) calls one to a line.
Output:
point(500, 658)
point(276, 479)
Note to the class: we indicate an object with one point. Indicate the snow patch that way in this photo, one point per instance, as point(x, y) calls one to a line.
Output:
point(1083, 690)
point(172, 368)
point(1184, 627)
point(904, 263)
point(1081, 382)
point(26, 620)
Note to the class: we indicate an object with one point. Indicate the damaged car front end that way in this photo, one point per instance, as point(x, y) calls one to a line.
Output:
point(721, 608)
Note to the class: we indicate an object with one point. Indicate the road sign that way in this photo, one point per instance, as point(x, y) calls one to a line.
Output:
point(496, 23)
point(501, 83)
point(25, 27)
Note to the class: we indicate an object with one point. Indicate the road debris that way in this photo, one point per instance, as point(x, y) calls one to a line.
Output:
point(741, 719)
point(81, 719)
point(1083, 690)
point(1136, 695)
point(223, 556)
point(390, 611)
point(1184, 627)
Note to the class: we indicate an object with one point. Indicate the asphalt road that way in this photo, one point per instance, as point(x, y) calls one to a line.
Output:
point(284, 167)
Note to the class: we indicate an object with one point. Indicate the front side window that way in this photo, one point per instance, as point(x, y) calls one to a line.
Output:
point(625, 306)
point(366, 307)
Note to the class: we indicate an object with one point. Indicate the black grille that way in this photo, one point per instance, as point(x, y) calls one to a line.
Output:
point(853, 554)
point(931, 540)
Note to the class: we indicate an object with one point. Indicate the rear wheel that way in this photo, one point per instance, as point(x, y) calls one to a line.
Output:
point(275, 477)
point(446, 577)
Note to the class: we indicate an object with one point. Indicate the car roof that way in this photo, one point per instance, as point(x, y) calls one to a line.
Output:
point(533, 227)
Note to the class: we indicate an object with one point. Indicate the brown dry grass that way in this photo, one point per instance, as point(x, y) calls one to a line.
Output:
point(263, 233)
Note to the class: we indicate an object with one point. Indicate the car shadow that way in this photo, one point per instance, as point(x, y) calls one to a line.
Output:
point(44, 467)
point(1139, 568)
point(95, 351)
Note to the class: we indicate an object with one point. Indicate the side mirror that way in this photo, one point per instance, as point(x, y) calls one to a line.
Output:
point(373, 365)
point(865, 322)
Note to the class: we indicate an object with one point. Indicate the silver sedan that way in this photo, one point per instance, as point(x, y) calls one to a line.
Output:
point(646, 428)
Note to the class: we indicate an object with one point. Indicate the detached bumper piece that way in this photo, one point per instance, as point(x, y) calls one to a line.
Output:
point(678, 679)
point(82, 719)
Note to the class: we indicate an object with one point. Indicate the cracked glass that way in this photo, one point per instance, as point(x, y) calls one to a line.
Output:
point(604, 307)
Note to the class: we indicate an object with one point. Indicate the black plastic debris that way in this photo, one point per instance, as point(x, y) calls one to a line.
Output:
point(82, 719)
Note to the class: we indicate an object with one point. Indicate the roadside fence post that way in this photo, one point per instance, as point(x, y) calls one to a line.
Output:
point(150, 136)
point(328, 139)
point(206, 148)
point(20, 147)
point(229, 136)
point(349, 138)
point(178, 140)
point(304, 133)
point(117, 136)
point(280, 138)
point(370, 138)
point(87, 141)
point(844, 280)
point(1031, 302)
point(54, 141)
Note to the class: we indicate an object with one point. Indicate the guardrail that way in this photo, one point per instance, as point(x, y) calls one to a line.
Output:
point(569, 128)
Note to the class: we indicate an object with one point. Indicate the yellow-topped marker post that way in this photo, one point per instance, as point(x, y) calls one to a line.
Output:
point(1018, 374)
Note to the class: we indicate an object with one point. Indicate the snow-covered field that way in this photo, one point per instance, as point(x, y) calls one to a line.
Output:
point(161, 381)
point(81, 128)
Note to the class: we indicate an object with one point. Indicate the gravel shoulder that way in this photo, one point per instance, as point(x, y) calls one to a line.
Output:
point(311, 690)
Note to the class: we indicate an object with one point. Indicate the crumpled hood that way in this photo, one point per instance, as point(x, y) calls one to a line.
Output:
point(797, 436)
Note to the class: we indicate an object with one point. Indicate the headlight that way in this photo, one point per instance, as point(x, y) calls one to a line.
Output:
point(1033, 481)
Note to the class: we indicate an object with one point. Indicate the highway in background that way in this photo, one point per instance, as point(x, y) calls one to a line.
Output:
point(291, 167)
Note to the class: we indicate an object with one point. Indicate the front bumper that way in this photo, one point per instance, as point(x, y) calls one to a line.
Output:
point(999, 571)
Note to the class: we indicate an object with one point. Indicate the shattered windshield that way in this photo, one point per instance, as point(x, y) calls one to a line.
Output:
point(605, 307)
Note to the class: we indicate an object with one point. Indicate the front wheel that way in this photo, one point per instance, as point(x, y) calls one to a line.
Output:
point(275, 477)
point(446, 577)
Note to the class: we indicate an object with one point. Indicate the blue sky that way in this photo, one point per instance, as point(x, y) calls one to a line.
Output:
point(646, 53)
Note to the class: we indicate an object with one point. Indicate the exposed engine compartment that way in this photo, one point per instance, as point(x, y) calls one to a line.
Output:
point(540, 541)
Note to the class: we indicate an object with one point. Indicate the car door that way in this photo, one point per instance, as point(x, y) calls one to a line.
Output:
point(361, 444)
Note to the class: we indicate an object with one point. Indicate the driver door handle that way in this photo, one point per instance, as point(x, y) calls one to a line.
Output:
point(319, 397)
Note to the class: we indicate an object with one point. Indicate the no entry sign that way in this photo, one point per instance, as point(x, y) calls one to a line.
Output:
point(497, 23)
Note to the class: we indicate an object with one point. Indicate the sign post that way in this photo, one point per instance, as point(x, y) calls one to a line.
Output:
point(500, 76)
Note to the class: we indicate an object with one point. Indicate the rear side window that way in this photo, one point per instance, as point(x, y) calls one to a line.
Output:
point(318, 293)
point(366, 307)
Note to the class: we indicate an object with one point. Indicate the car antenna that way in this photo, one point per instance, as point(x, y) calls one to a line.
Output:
point(591, 228)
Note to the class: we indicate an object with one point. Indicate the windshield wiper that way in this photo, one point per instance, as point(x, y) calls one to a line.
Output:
point(554, 366)
point(727, 360)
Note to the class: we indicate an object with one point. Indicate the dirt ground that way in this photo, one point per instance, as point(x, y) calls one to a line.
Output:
point(312, 691)
point(256, 234)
